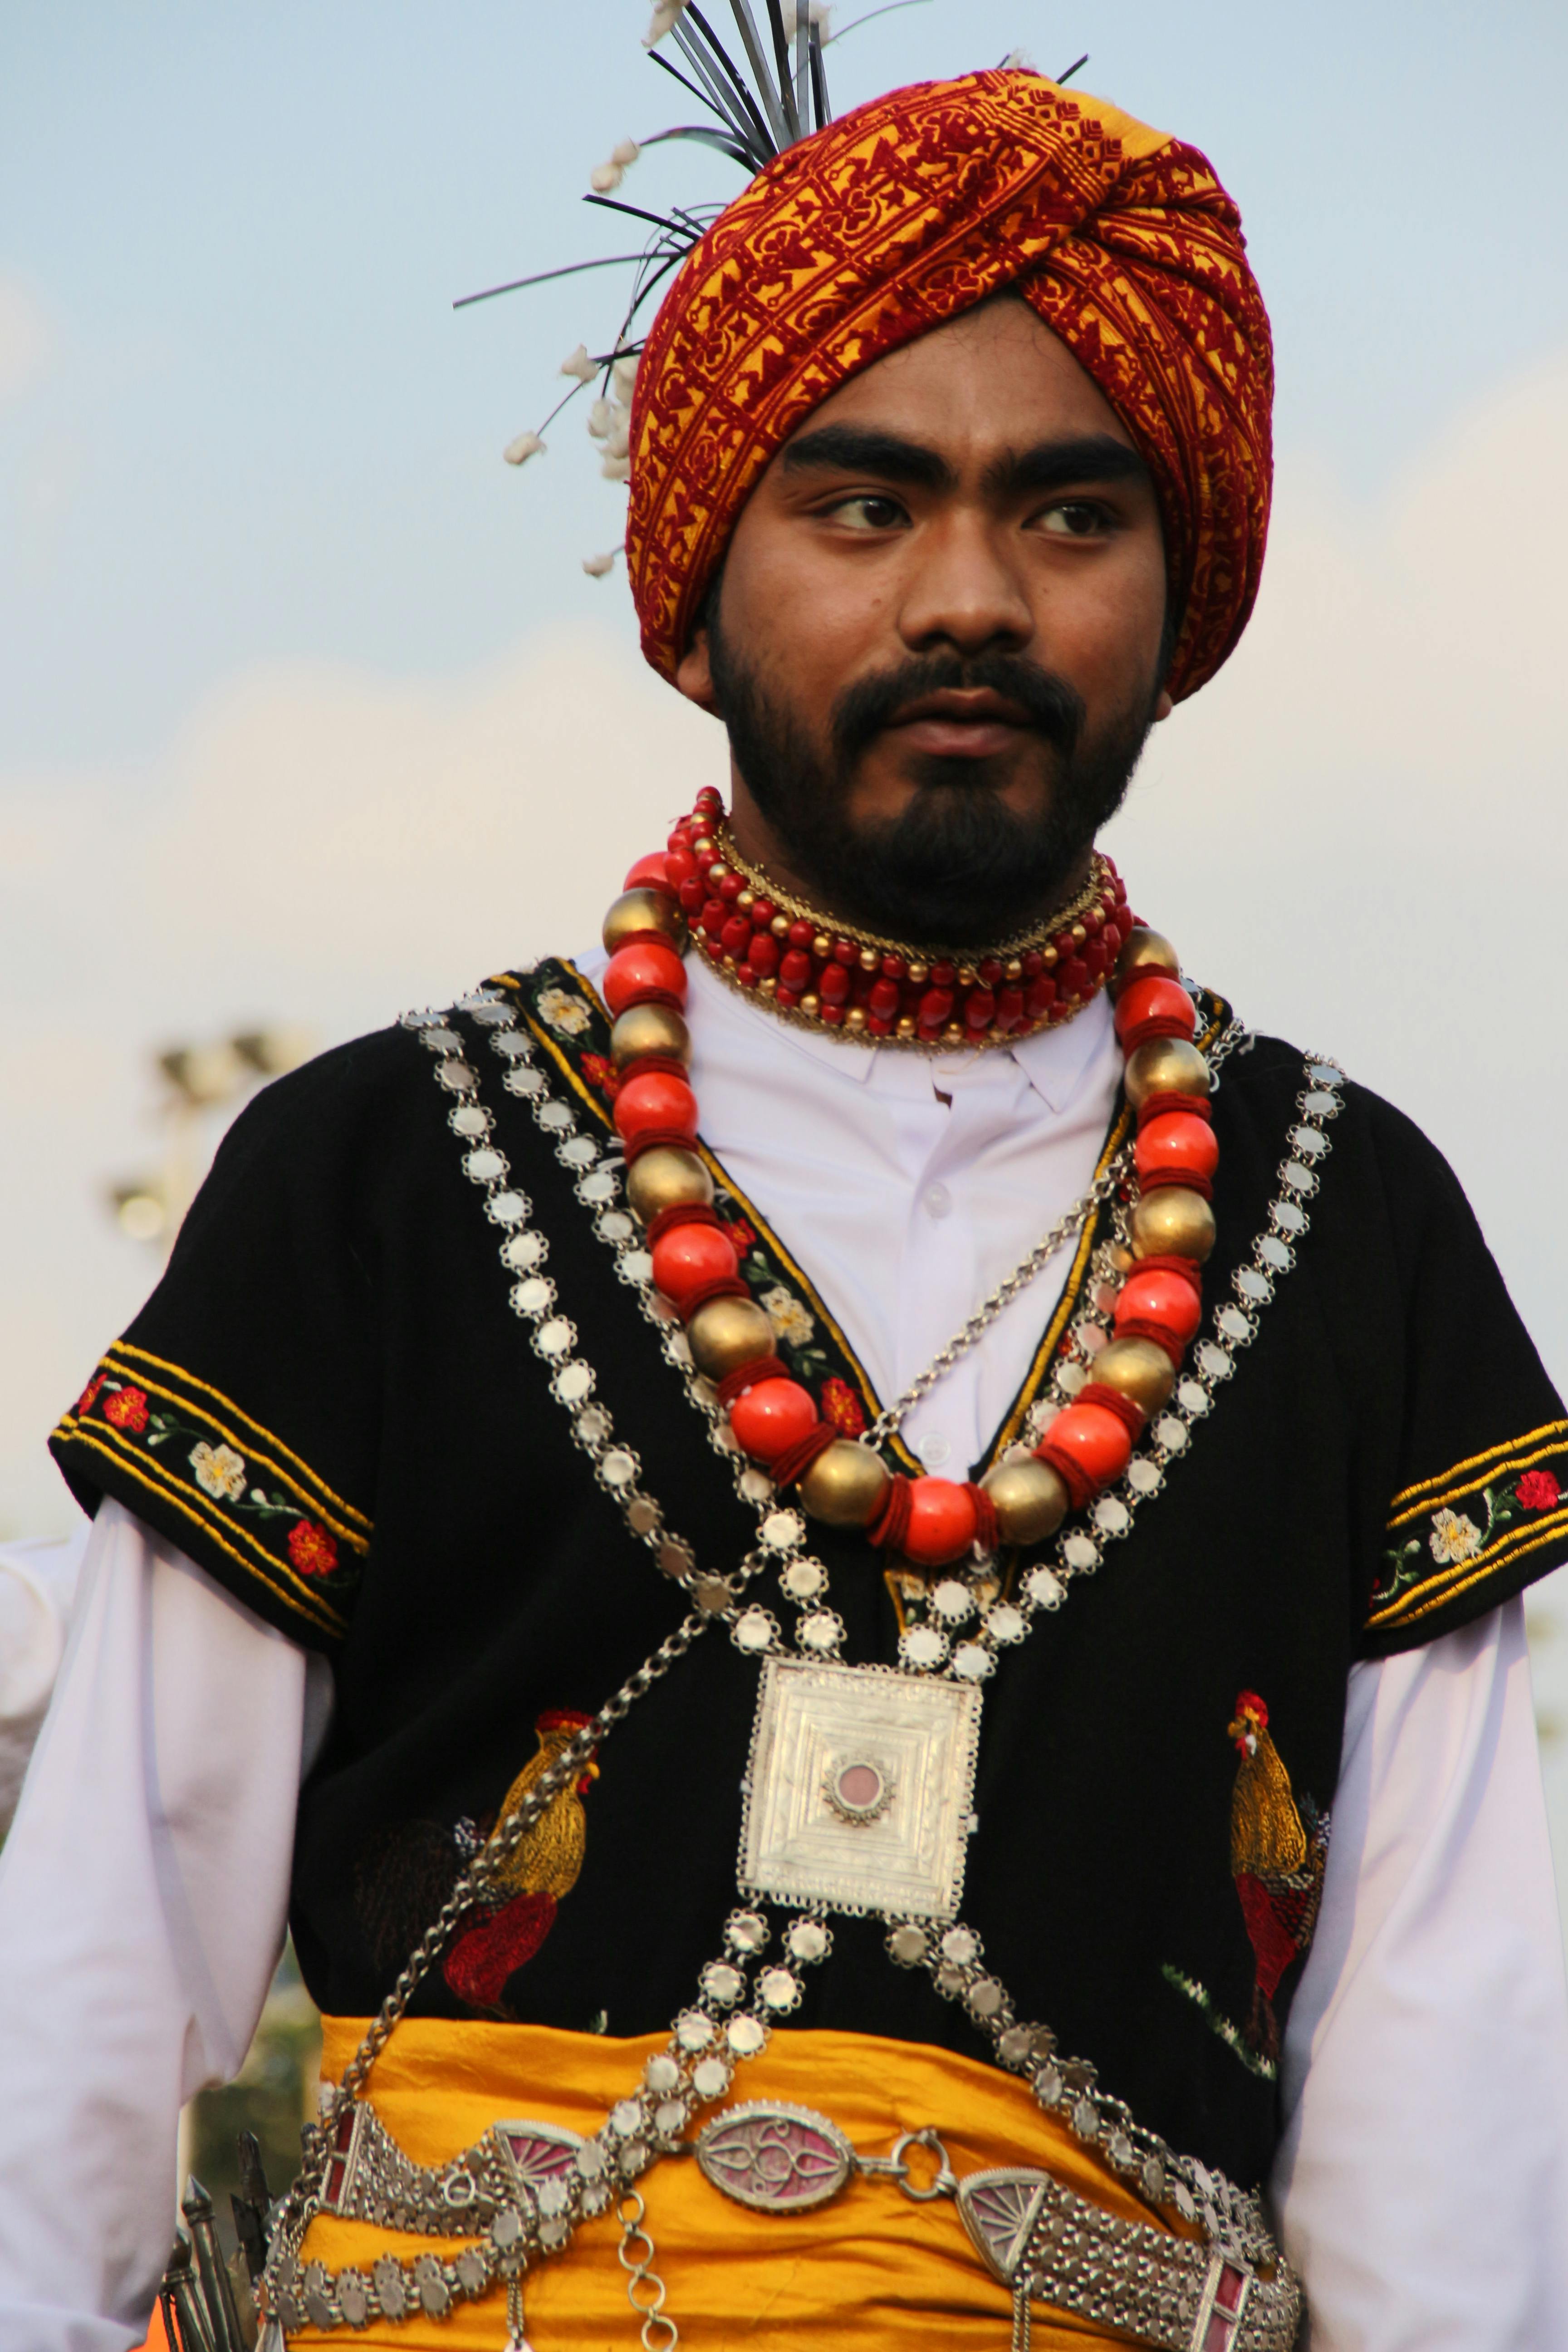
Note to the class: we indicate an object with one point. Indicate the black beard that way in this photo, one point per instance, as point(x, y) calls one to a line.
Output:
point(958, 867)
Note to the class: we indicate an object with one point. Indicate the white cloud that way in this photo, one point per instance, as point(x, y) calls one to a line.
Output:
point(1357, 831)
point(25, 338)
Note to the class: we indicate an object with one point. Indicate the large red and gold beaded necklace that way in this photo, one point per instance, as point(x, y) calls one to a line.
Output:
point(930, 1522)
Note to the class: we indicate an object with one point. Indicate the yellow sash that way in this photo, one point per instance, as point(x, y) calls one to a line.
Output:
point(870, 2269)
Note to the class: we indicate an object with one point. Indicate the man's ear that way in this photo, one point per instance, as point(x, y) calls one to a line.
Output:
point(694, 675)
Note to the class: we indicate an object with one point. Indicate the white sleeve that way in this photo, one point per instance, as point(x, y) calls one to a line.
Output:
point(1421, 2184)
point(143, 1890)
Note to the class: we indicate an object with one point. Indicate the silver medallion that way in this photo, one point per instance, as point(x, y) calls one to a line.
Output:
point(777, 2159)
point(860, 1789)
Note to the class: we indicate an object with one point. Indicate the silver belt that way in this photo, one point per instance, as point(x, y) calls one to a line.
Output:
point(518, 2194)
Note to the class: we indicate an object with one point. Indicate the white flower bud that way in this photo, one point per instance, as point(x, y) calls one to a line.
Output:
point(624, 376)
point(526, 446)
point(625, 152)
point(596, 566)
point(600, 418)
point(618, 440)
point(664, 16)
point(617, 469)
point(604, 177)
point(580, 365)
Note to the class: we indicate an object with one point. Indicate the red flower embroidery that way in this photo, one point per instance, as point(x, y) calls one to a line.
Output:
point(841, 1406)
point(89, 1396)
point(311, 1548)
point(741, 1234)
point(601, 1074)
point(1538, 1491)
point(127, 1409)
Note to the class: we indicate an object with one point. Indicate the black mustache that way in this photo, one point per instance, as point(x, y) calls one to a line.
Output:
point(1053, 708)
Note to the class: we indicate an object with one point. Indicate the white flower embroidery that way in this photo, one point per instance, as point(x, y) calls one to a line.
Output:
point(1454, 1537)
point(220, 1470)
point(567, 1014)
point(787, 1315)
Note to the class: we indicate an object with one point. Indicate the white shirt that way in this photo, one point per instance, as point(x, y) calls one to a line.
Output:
point(1422, 2186)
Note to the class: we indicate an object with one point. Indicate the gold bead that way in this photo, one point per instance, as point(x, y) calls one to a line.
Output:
point(1049, 956)
point(855, 1018)
point(1079, 934)
point(745, 900)
point(766, 987)
point(821, 946)
point(1029, 1498)
point(727, 1333)
point(967, 976)
point(1173, 1222)
point(1165, 1066)
point(701, 844)
point(919, 973)
point(666, 1178)
point(1145, 955)
point(811, 1004)
point(780, 927)
point(1136, 1368)
point(1012, 969)
point(871, 960)
point(715, 874)
point(907, 1025)
point(643, 910)
point(845, 1487)
point(649, 1029)
point(954, 1034)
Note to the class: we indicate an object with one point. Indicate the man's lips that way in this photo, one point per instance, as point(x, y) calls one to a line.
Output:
point(971, 724)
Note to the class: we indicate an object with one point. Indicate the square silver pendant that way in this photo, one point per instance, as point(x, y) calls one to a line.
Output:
point(859, 1789)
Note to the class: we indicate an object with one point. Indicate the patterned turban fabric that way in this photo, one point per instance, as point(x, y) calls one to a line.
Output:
point(898, 217)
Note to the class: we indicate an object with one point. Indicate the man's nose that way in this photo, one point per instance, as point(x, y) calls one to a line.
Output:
point(963, 590)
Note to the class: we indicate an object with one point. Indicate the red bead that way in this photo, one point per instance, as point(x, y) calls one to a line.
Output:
point(936, 1007)
point(715, 914)
point(835, 984)
point(1095, 1438)
point(1033, 963)
point(1073, 976)
point(1009, 1007)
point(647, 965)
point(652, 1099)
point(1092, 919)
point(831, 1016)
point(1042, 995)
point(894, 966)
point(1154, 999)
point(879, 1024)
point(943, 975)
point(733, 938)
point(1176, 1143)
point(650, 873)
point(1064, 944)
point(1111, 940)
point(1165, 1299)
point(1095, 958)
point(990, 972)
point(794, 971)
point(943, 1524)
point(692, 896)
point(762, 955)
point(746, 976)
point(801, 935)
point(884, 999)
point(977, 1013)
point(845, 951)
point(770, 1418)
point(731, 885)
point(688, 1257)
point(679, 867)
point(762, 913)
point(787, 996)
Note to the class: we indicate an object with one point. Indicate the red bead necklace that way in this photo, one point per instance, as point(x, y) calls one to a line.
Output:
point(931, 1522)
point(837, 977)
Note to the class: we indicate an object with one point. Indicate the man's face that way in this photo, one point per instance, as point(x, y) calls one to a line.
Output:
point(938, 641)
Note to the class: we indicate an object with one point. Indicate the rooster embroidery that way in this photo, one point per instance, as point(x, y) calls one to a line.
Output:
point(1276, 1861)
point(539, 1873)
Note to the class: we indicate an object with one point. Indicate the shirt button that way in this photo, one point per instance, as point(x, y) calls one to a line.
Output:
point(939, 1200)
point(933, 1449)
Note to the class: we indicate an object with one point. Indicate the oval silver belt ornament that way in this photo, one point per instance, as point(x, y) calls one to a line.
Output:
point(775, 2159)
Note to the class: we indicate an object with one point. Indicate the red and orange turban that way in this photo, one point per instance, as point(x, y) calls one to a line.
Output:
point(900, 215)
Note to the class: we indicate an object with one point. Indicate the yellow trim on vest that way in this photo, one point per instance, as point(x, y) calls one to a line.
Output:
point(871, 2268)
point(1432, 1493)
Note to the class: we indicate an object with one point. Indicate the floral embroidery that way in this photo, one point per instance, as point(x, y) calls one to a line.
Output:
point(220, 1470)
point(1454, 1537)
point(127, 1409)
point(257, 1503)
point(743, 1236)
point(600, 1072)
point(788, 1316)
point(311, 1548)
point(1230, 2032)
point(566, 1015)
point(1538, 1491)
point(841, 1406)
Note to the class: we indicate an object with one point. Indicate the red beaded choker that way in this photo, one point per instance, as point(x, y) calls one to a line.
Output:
point(830, 976)
point(931, 1522)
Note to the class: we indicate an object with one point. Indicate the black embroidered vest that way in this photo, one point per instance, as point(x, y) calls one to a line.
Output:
point(331, 1404)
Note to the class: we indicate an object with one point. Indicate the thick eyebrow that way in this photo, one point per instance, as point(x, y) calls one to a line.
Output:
point(856, 449)
point(1063, 465)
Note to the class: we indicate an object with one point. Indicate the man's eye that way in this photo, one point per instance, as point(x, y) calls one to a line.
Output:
point(1074, 519)
point(866, 511)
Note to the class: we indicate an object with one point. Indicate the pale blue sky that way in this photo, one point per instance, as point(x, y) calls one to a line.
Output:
point(260, 432)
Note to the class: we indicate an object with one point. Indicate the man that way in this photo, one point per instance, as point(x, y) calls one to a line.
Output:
point(1040, 1476)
